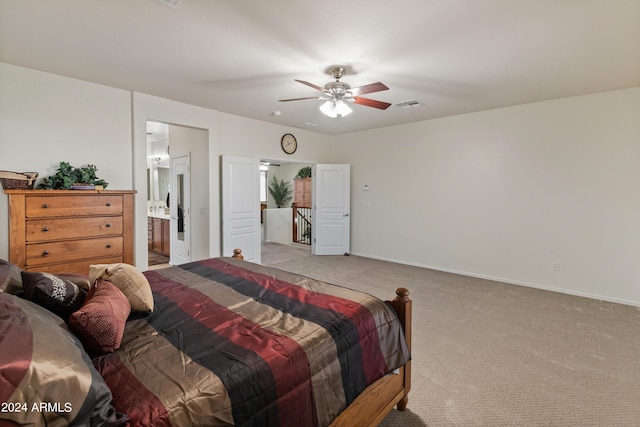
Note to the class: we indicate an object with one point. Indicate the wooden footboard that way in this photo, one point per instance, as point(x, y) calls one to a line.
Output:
point(377, 400)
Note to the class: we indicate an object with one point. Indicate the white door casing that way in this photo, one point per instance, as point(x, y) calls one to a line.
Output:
point(241, 207)
point(331, 194)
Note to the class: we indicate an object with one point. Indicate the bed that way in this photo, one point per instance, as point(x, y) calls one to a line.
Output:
point(214, 342)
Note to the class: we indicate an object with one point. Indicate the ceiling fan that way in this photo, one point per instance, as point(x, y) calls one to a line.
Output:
point(336, 93)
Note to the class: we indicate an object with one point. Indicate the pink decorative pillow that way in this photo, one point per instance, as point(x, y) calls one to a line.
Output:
point(99, 323)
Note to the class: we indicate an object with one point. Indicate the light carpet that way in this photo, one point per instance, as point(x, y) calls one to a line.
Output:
point(487, 353)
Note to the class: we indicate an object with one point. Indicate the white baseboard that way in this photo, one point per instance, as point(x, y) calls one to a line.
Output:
point(509, 281)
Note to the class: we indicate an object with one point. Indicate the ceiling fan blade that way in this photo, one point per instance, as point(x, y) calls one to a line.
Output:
point(370, 88)
point(300, 99)
point(371, 103)
point(316, 87)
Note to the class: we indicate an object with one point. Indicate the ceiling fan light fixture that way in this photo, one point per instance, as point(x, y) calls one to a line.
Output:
point(336, 93)
point(334, 108)
point(342, 109)
point(329, 109)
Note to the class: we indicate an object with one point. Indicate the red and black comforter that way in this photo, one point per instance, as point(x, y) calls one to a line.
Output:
point(236, 343)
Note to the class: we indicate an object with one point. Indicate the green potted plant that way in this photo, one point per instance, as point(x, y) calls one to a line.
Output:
point(280, 191)
point(304, 172)
point(68, 176)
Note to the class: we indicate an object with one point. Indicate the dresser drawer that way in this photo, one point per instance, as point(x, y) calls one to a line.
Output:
point(55, 252)
point(54, 206)
point(44, 230)
point(78, 267)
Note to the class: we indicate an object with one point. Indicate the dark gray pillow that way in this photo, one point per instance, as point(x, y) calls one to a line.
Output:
point(58, 295)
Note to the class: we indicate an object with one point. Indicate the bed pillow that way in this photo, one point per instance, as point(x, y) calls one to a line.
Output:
point(100, 322)
point(52, 292)
point(82, 280)
point(41, 362)
point(10, 279)
point(129, 280)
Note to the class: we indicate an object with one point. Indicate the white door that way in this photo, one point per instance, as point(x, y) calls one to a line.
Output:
point(331, 209)
point(241, 207)
point(180, 209)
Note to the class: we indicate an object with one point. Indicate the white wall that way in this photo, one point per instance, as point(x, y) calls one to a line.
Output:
point(506, 193)
point(227, 134)
point(46, 119)
point(252, 138)
point(147, 107)
point(277, 225)
point(500, 194)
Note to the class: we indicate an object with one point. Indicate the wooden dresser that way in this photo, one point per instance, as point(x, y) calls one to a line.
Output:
point(65, 231)
point(302, 192)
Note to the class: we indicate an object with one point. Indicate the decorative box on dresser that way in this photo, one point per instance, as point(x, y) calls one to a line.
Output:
point(65, 231)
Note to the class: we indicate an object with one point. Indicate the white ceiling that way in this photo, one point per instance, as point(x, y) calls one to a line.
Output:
point(242, 56)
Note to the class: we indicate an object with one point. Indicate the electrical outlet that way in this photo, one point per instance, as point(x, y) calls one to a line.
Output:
point(555, 265)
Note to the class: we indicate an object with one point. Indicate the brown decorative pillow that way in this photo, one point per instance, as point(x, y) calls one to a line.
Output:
point(52, 292)
point(129, 280)
point(99, 323)
point(10, 280)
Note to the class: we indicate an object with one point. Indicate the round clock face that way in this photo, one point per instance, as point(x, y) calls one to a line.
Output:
point(288, 143)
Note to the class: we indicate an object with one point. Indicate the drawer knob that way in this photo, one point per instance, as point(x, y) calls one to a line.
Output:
point(45, 206)
point(108, 203)
point(45, 253)
point(108, 225)
point(45, 229)
point(108, 245)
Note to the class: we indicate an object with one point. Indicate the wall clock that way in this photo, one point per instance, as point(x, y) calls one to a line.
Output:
point(289, 143)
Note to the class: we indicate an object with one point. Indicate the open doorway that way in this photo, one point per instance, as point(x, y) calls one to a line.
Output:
point(241, 209)
point(163, 141)
point(283, 225)
point(158, 183)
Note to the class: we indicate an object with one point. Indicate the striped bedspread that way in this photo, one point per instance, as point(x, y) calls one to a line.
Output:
point(236, 343)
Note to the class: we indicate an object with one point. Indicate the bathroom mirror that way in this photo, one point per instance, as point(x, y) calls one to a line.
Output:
point(162, 179)
point(180, 201)
point(158, 180)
